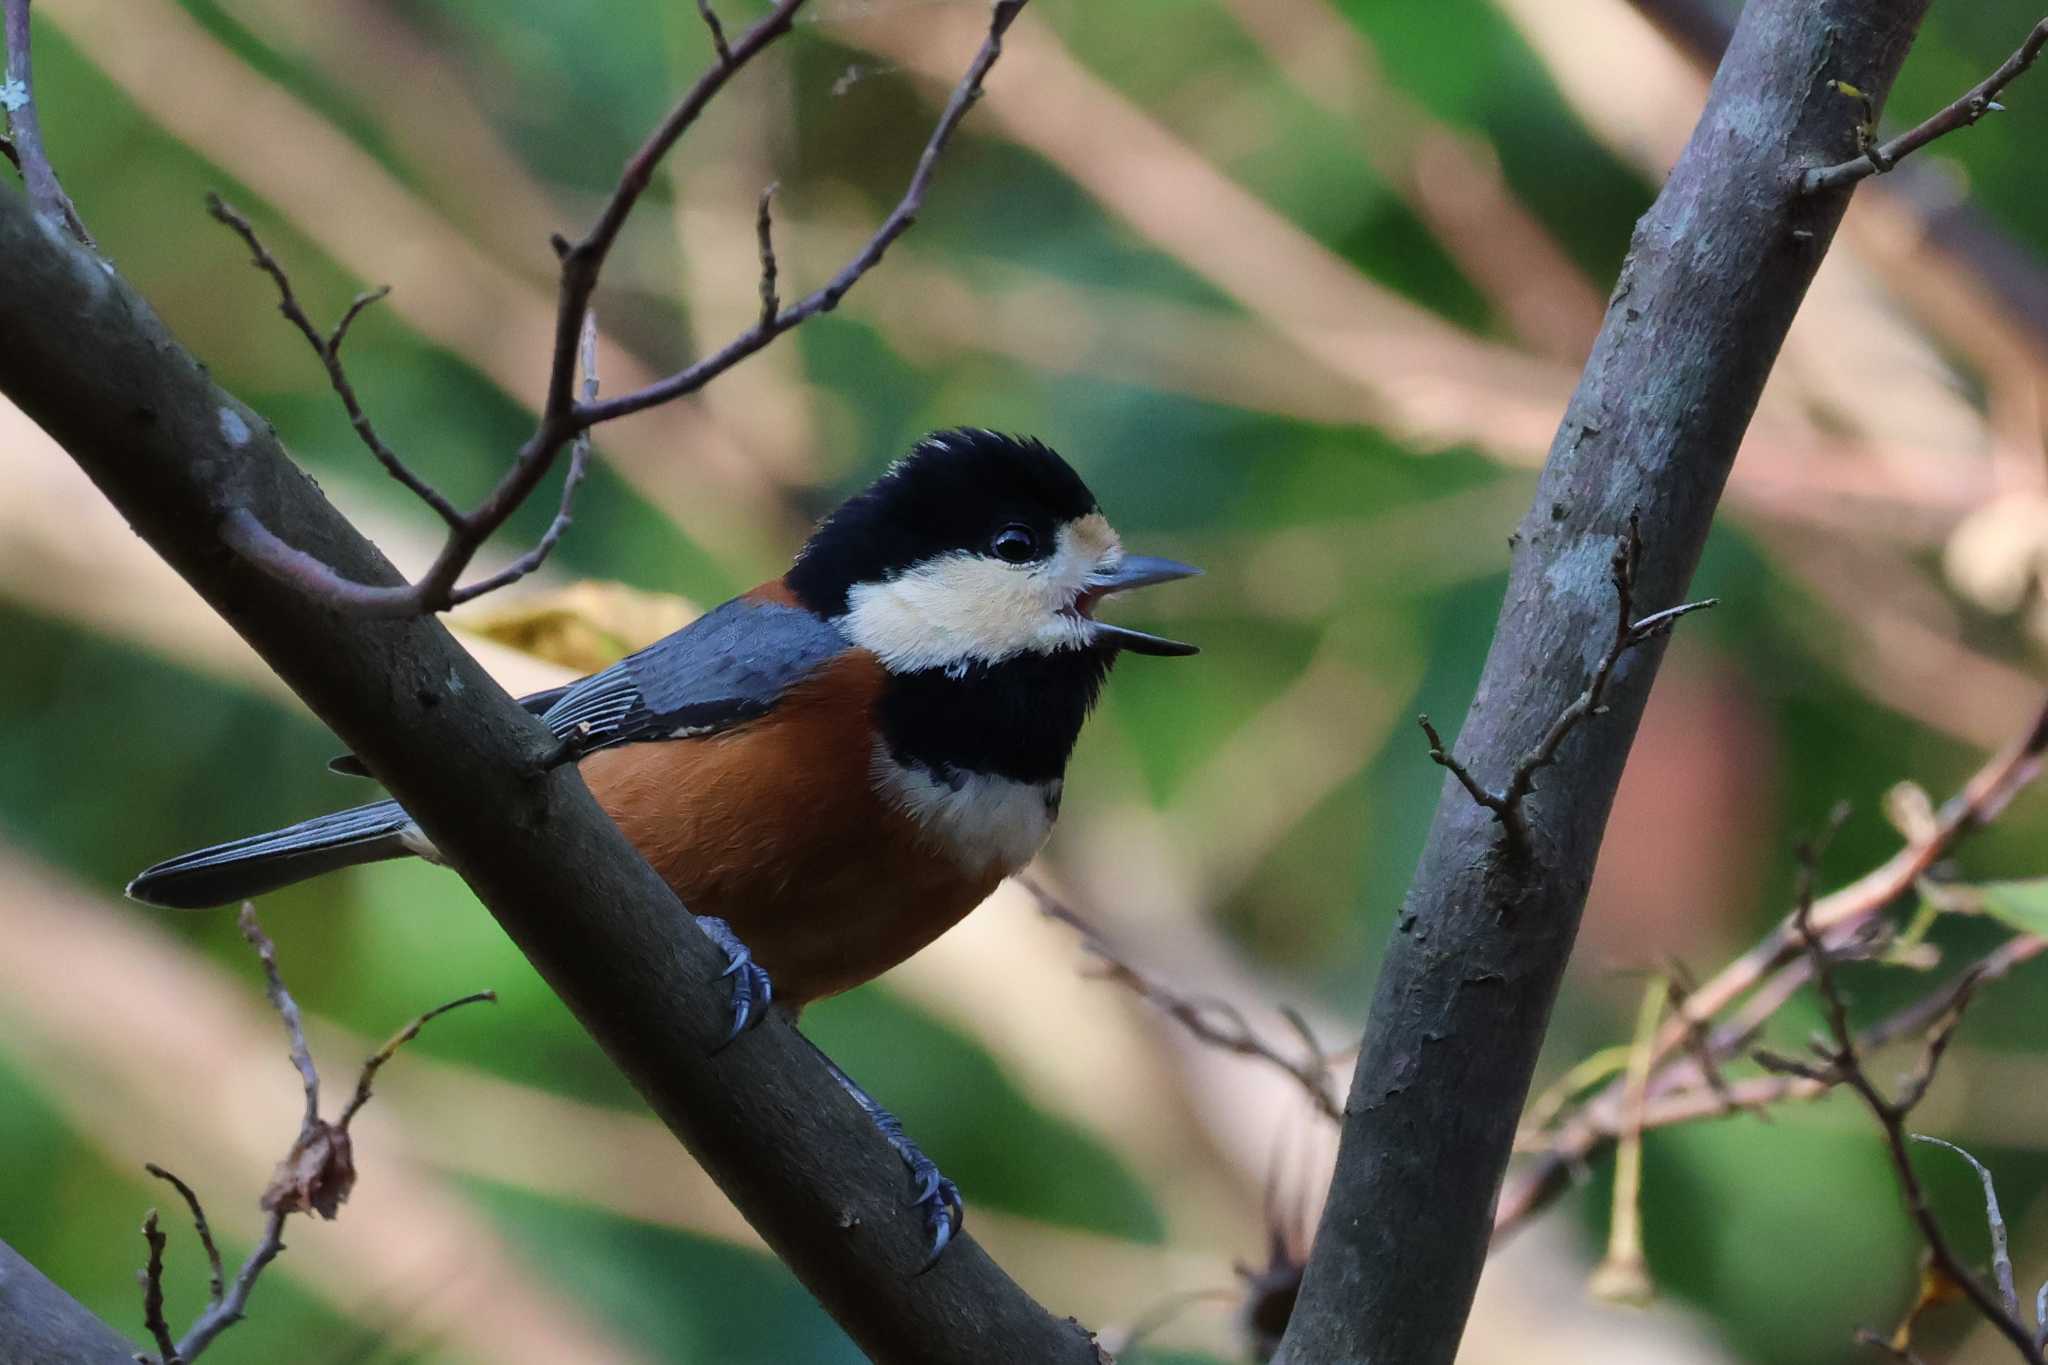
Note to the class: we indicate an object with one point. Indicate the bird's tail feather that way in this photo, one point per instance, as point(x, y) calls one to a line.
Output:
point(263, 862)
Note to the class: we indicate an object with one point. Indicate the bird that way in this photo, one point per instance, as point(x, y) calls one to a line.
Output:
point(834, 768)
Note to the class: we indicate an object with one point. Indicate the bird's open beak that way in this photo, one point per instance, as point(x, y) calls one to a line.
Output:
point(1136, 571)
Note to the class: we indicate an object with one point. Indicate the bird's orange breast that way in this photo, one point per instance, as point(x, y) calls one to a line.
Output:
point(775, 827)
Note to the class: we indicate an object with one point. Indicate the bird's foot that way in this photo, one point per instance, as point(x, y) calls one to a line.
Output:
point(937, 1196)
point(752, 991)
point(930, 1190)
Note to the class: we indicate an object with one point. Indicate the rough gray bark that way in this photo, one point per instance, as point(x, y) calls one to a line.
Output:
point(86, 359)
point(40, 1322)
point(1714, 275)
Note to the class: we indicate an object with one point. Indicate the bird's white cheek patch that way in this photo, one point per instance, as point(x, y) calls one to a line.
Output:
point(956, 609)
point(980, 820)
point(966, 608)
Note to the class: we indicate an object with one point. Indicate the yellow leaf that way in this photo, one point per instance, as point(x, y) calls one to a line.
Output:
point(1936, 1289)
point(585, 626)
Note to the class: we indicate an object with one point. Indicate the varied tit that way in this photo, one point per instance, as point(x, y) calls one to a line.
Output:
point(833, 769)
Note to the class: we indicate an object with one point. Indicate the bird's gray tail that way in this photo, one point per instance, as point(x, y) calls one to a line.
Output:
point(263, 862)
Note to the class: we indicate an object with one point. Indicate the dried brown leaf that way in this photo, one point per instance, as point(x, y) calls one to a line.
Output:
point(316, 1175)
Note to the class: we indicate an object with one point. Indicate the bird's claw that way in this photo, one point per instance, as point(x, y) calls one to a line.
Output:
point(752, 991)
point(940, 1200)
point(929, 1190)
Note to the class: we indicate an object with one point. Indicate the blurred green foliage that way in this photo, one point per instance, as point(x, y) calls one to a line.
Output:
point(1783, 1237)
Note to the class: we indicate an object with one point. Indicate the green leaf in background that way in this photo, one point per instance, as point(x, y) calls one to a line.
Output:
point(2023, 905)
point(686, 1298)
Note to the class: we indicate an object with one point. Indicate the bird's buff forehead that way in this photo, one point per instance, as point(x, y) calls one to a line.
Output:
point(964, 608)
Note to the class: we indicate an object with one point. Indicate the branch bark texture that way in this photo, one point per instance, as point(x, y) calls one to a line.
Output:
point(40, 1322)
point(181, 458)
point(1714, 275)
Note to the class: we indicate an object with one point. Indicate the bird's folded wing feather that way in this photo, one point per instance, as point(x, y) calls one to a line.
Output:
point(728, 666)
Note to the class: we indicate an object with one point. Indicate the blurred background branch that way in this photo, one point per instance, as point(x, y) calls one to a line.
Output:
point(1346, 455)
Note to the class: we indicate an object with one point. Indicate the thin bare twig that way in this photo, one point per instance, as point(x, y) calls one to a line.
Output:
point(1694, 1101)
point(764, 232)
point(1508, 804)
point(1979, 100)
point(216, 1276)
point(563, 418)
point(328, 348)
point(1217, 1023)
point(25, 146)
point(824, 300)
point(398, 1040)
point(1994, 1222)
point(579, 465)
point(718, 42)
point(559, 424)
point(286, 1007)
point(153, 1293)
point(1678, 989)
point(1841, 1062)
point(315, 1175)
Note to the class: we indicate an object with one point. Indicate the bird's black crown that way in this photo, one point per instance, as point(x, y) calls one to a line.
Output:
point(956, 490)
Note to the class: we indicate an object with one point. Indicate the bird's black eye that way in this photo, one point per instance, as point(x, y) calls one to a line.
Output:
point(1016, 544)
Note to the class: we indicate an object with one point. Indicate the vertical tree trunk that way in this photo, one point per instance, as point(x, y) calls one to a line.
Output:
point(1713, 277)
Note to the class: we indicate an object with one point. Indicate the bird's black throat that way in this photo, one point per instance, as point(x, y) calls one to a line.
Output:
point(1016, 719)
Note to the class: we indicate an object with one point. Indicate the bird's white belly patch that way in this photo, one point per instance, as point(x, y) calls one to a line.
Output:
point(978, 818)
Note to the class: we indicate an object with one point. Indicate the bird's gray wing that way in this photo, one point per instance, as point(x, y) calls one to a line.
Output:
point(728, 666)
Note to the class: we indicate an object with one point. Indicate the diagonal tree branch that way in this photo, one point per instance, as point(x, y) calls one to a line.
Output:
point(87, 360)
point(1715, 274)
point(40, 1322)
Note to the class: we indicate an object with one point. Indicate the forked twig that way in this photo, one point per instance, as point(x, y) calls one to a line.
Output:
point(316, 1175)
point(565, 418)
point(1509, 803)
point(1771, 973)
point(1839, 1061)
